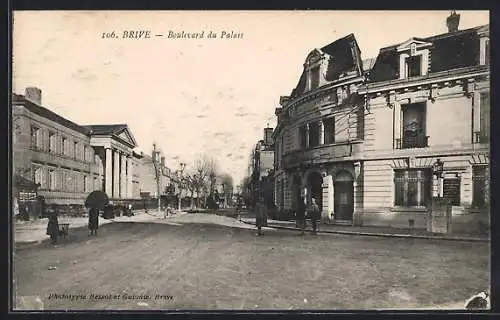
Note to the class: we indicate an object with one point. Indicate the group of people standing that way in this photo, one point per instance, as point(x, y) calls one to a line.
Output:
point(53, 224)
point(303, 211)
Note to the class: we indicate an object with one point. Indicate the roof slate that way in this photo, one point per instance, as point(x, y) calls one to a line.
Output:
point(46, 113)
point(448, 51)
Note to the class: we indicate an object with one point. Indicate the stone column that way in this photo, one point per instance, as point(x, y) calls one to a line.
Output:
point(398, 119)
point(116, 177)
point(327, 196)
point(123, 176)
point(130, 192)
point(476, 111)
point(321, 132)
point(108, 175)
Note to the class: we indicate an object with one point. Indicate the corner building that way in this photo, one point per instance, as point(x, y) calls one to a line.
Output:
point(319, 134)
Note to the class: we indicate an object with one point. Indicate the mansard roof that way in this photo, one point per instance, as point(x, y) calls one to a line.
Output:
point(343, 60)
point(447, 51)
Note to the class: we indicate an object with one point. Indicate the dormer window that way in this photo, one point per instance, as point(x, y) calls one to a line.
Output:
point(314, 77)
point(413, 66)
point(413, 58)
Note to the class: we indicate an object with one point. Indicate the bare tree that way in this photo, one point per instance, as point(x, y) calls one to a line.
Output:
point(204, 169)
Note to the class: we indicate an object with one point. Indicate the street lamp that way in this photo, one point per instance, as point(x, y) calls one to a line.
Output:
point(182, 165)
point(437, 170)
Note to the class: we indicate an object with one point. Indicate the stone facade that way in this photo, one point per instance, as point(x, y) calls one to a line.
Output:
point(419, 101)
point(147, 183)
point(68, 160)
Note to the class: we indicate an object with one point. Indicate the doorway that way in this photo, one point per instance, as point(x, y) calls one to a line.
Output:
point(344, 196)
point(316, 186)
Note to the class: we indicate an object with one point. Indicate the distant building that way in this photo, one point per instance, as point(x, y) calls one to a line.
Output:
point(263, 167)
point(147, 169)
point(68, 160)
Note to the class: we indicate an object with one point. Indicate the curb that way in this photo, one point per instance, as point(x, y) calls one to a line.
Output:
point(385, 235)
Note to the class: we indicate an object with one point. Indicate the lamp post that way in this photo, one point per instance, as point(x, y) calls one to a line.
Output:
point(156, 164)
point(437, 169)
point(183, 165)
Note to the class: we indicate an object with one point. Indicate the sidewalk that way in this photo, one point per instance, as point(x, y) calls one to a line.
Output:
point(371, 231)
point(35, 231)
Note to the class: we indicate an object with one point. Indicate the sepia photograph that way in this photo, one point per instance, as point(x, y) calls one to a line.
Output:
point(250, 160)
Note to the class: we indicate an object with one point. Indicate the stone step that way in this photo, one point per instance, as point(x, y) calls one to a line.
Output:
point(340, 222)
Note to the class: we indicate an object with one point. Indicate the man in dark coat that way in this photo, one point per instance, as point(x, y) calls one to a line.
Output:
point(93, 220)
point(301, 214)
point(260, 217)
point(53, 227)
point(314, 214)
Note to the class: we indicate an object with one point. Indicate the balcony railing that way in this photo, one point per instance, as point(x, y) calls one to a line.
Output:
point(481, 137)
point(410, 142)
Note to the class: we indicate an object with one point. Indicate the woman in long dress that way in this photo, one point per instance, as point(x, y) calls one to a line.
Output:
point(93, 221)
point(53, 227)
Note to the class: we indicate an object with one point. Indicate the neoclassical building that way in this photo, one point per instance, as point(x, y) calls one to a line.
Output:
point(319, 134)
point(363, 136)
point(68, 160)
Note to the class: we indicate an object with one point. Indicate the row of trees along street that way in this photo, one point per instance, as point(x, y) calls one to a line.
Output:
point(206, 184)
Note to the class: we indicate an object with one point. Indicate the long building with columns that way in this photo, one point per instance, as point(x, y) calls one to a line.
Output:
point(68, 160)
point(363, 136)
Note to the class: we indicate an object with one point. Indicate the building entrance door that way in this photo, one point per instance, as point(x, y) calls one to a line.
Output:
point(315, 185)
point(344, 196)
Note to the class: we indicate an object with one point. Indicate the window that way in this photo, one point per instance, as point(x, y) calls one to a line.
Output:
point(313, 134)
point(413, 66)
point(329, 129)
point(69, 181)
point(413, 127)
point(314, 77)
point(36, 138)
point(360, 126)
point(487, 51)
point(303, 136)
point(52, 182)
point(52, 142)
point(480, 186)
point(65, 143)
point(96, 184)
point(38, 175)
point(484, 118)
point(412, 187)
point(76, 153)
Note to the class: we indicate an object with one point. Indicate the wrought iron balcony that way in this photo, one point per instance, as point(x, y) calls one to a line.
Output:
point(410, 142)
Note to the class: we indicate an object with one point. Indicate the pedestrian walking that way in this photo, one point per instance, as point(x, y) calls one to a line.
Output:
point(53, 227)
point(93, 220)
point(260, 217)
point(314, 214)
point(301, 214)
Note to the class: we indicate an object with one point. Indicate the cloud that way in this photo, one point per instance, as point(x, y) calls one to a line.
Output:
point(84, 74)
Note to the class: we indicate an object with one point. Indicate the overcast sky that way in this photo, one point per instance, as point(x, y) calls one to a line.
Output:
point(192, 96)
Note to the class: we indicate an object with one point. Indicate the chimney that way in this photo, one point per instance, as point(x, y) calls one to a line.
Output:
point(453, 21)
point(34, 95)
